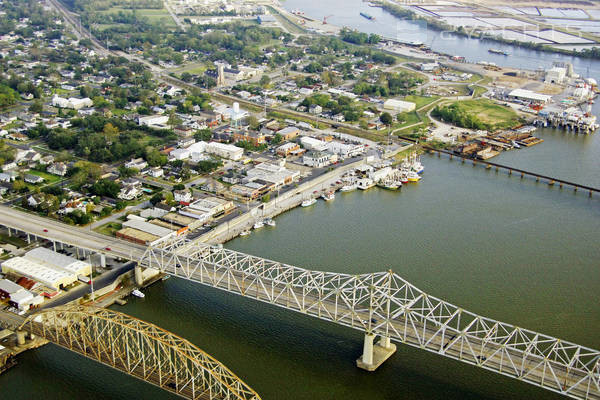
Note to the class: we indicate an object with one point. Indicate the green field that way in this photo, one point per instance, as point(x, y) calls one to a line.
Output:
point(488, 112)
point(48, 178)
point(153, 15)
point(109, 229)
point(421, 101)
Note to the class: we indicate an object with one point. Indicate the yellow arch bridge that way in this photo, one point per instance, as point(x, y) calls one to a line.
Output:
point(139, 349)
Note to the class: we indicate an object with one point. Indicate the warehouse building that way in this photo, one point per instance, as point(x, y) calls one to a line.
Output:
point(43, 273)
point(58, 261)
point(529, 96)
point(398, 106)
point(8, 288)
point(225, 150)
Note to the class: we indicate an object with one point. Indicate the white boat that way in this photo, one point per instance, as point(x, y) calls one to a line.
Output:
point(309, 202)
point(348, 188)
point(270, 221)
point(245, 232)
point(365, 183)
point(164, 278)
point(258, 224)
point(328, 196)
point(515, 145)
point(137, 293)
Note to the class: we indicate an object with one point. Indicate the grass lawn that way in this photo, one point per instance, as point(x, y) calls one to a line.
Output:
point(15, 241)
point(478, 90)
point(109, 228)
point(407, 119)
point(48, 178)
point(499, 117)
point(421, 101)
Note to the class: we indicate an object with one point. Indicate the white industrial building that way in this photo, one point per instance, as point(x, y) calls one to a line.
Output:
point(225, 150)
point(153, 120)
point(43, 273)
point(310, 143)
point(278, 175)
point(71, 102)
point(318, 159)
point(24, 300)
point(179, 154)
point(141, 225)
point(58, 261)
point(345, 150)
point(398, 106)
point(556, 75)
point(529, 96)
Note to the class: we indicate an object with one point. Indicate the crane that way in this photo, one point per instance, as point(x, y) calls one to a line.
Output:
point(325, 19)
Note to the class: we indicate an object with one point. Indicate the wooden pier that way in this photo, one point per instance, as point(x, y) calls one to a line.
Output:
point(538, 177)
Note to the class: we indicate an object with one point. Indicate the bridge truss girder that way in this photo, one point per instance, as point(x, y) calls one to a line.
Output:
point(139, 349)
point(385, 304)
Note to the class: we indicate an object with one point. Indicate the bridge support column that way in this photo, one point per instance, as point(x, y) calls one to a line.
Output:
point(9, 233)
point(139, 278)
point(28, 239)
point(375, 355)
point(102, 260)
point(21, 337)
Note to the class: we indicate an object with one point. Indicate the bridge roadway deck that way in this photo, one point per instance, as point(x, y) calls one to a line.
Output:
point(415, 333)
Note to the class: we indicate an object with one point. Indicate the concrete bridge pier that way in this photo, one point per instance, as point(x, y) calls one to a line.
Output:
point(139, 277)
point(375, 354)
point(21, 335)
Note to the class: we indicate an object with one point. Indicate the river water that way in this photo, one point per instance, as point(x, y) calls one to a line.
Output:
point(511, 249)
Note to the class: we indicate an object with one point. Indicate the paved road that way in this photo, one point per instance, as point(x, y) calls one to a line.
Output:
point(119, 214)
point(72, 235)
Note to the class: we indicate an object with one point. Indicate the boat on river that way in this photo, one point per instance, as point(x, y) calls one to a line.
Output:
point(309, 202)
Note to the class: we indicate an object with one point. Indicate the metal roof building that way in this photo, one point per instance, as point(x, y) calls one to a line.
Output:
point(45, 274)
point(59, 261)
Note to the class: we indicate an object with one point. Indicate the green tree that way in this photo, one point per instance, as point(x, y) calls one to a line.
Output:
point(386, 118)
point(37, 106)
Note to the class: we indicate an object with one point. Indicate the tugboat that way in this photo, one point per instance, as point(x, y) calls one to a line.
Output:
point(367, 16)
point(497, 51)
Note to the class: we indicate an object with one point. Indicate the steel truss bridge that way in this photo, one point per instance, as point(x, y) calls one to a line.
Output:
point(139, 349)
point(384, 304)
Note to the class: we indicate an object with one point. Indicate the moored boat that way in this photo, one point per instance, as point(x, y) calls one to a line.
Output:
point(258, 224)
point(413, 176)
point(138, 293)
point(270, 221)
point(328, 196)
point(365, 183)
point(245, 232)
point(349, 187)
point(309, 202)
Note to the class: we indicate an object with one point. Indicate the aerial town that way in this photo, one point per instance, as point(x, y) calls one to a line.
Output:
point(145, 139)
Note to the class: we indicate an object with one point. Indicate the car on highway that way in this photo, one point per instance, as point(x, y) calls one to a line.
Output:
point(45, 230)
point(107, 248)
